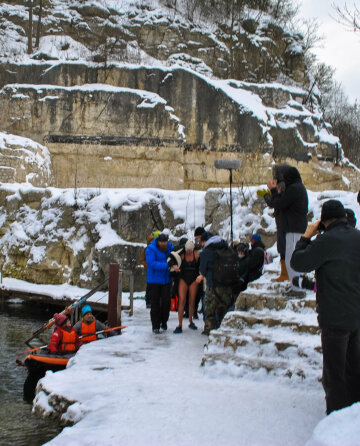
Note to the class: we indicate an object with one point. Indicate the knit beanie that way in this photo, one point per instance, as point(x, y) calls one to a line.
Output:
point(189, 245)
point(163, 237)
point(60, 319)
point(256, 237)
point(205, 236)
point(199, 231)
point(332, 209)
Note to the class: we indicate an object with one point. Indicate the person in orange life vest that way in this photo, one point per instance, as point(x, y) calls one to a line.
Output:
point(64, 338)
point(89, 326)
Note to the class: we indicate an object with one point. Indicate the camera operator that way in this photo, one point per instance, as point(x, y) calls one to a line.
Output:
point(335, 257)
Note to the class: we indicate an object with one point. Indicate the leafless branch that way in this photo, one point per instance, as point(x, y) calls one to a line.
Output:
point(347, 17)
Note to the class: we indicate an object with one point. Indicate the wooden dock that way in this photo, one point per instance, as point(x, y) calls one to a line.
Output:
point(47, 299)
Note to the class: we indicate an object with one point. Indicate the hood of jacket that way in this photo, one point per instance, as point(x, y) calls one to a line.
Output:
point(291, 176)
point(279, 170)
point(213, 240)
point(258, 244)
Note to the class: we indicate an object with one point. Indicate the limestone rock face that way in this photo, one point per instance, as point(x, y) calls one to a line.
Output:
point(255, 50)
point(53, 236)
point(24, 161)
point(146, 127)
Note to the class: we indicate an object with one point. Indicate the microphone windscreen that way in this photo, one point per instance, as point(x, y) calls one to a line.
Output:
point(227, 164)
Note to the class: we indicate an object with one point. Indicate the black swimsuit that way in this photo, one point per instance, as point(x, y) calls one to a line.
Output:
point(189, 270)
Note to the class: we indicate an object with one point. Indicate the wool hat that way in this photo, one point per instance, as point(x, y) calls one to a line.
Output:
point(86, 309)
point(256, 237)
point(242, 247)
point(189, 245)
point(205, 236)
point(182, 241)
point(60, 319)
point(199, 231)
point(332, 209)
point(163, 237)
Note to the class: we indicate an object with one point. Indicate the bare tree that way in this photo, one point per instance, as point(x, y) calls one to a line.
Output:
point(285, 10)
point(310, 30)
point(348, 17)
point(191, 7)
point(30, 25)
point(38, 29)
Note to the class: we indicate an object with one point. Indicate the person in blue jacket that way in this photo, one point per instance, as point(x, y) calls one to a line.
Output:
point(159, 281)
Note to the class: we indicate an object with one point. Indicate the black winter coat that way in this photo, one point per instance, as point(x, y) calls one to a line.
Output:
point(256, 260)
point(335, 257)
point(207, 261)
point(292, 203)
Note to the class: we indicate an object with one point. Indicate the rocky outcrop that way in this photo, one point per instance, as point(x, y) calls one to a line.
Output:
point(258, 49)
point(145, 127)
point(24, 161)
point(53, 236)
point(268, 333)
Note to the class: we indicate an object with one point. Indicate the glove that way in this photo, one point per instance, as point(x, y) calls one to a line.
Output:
point(262, 192)
point(68, 310)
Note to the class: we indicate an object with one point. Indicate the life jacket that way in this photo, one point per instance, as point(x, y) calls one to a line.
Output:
point(68, 343)
point(88, 330)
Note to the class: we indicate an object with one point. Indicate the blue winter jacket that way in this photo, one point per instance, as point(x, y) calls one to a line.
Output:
point(157, 267)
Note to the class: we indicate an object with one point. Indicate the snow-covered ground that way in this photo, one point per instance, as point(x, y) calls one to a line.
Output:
point(142, 388)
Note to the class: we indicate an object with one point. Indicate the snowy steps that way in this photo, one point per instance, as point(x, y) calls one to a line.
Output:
point(269, 331)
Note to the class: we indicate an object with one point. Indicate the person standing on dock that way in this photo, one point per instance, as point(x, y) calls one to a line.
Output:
point(64, 338)
point(159, 281)
point(88, 326)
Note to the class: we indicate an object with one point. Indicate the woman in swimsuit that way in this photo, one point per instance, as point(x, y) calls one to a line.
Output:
point(189, 270)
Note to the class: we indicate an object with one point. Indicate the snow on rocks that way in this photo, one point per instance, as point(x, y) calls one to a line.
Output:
point(23, 160)
point(269, 331)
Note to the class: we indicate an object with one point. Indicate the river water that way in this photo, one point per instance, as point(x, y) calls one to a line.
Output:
point(18, 426)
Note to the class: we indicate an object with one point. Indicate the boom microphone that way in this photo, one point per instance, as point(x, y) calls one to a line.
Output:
point(227, 164)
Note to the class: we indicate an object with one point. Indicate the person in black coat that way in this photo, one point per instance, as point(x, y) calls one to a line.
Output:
point(256, 258)
point(218, 298)
point(350, 215)
point(335, 257)
point(293, 207)
point(278, 175)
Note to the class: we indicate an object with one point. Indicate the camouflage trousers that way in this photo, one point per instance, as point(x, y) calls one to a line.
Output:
point(218, 301)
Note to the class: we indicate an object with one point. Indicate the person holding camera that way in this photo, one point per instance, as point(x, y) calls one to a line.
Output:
point(335, 256)
point(293, 207)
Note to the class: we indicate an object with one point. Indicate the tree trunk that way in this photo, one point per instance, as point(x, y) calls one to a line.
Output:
point(38, 30)
point(30, 4)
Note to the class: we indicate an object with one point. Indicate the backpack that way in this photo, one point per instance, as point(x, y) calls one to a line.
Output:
point(256, 272)
point(226, 267)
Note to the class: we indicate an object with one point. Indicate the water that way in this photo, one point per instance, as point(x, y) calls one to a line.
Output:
point(18, 426)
